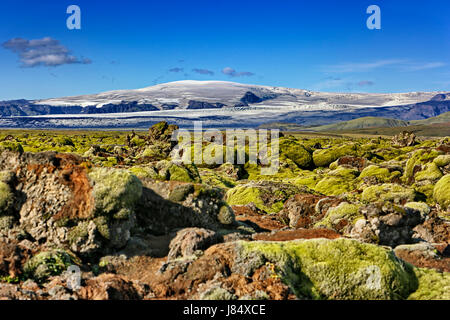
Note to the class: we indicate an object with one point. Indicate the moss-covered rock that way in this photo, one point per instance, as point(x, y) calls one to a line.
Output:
point(115, 191)
point(422, 207)
point(226, 215)
point(433, 285)
point(324, 157)
point(442, 160)
point(431, 172)
point(292, 149)
point(441, 192)
point(419, 157)
point(11, 146)
point(6, 198)
point(144, 172)
point(382, 174)
point(334, 185)
point(335, 269)
point(388, 192)
point(268, 196)
point(46, 264)
point(343, 214)
point(180, 192)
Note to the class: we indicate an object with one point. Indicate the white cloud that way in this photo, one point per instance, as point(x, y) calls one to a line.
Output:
point(46, 51)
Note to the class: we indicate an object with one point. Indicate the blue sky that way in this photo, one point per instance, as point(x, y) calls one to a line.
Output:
point(317, 45)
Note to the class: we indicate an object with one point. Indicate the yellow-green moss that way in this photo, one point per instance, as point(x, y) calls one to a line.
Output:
point(336, 269)
point(324, 157)
point(382, 174)
point(433, 285)
point(115, 190)
point(6, 198)
point(292, 149)
point(441, 192)
point(431, 172)
point(333, 186)
point(11, 146)
point(419, 157)
point(46, 264)
point(242, 195)
point(422, 207)
point(388, 192)
point(334, 215)
point(442, 160)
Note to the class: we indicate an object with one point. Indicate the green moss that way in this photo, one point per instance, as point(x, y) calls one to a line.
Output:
point(46, 264)
point(382, 174)
point(344, 211)
point(144, 172)
point(441, 192)
point(242, 195)
point(114, 190)
point(419, 157)
point(226, 215)
point(324, 157)
point(217, 293)
point(431, 172)
point(336, 269)
point(6, 198)
point(179, 193)
point(388, 192)
point(333, 186)
point(442, 160)
point(64, 141)
point(292, 149)
point(178, 173)
point(422, 207)
point(78, 232)
point(11, 146)
point(433, 285)
point(138, 142)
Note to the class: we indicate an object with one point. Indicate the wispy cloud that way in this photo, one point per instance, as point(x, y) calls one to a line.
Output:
point(399, 64)
point(176, 70)
point(42, 52)
point(347, 84)
point(361, 66)
point(203, 71)
point(365, 83)
point(423, 66)
point(233, 73)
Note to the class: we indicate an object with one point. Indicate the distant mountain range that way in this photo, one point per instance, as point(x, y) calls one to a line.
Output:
point(218, 104)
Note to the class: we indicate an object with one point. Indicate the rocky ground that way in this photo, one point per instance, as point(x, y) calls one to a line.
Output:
point(342, 219)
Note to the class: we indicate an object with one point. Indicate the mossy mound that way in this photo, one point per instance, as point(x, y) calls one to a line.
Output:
point(419, 157)
point(335, 269)
point(388, 192)
point(422, 207)
point(179, 193)
point(335, 216)
point(433, 285)
point(115, 191)
point(46, 264)
point(11, 146)
point(382, 174)
point(268, 196)
point(441, 192)
point(6, 198)
point(324, 157)
point(431, 173)
point(338, 181)
point(292, 149)
point(442, 160)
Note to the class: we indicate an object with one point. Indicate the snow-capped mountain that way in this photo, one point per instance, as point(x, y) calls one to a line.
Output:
point(217, 103)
